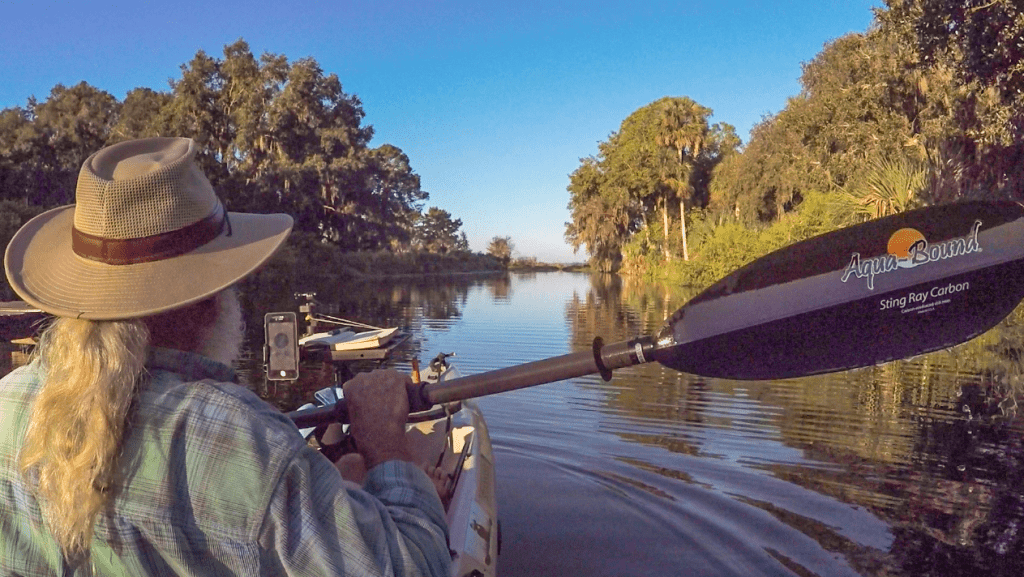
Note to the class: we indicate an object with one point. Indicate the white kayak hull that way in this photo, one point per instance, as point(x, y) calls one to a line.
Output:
point(472, 514)
point(454, 438)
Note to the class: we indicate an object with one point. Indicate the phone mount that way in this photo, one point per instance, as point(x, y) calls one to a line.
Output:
point(281, 351)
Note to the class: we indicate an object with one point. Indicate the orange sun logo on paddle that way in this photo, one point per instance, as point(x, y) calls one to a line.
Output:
point(902, 240)
point(908, 248)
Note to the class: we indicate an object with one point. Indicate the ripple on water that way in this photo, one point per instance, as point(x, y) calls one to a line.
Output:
point(910, 468)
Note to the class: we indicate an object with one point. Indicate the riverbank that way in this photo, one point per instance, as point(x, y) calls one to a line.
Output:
point(549, 267)
point(304, 256)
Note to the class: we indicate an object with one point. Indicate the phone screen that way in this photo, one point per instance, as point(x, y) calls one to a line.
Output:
point(282, 346)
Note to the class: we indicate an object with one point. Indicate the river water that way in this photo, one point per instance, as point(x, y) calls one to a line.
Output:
point(911, 468)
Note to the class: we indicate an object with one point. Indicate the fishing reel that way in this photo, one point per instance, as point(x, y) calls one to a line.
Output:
point(439, 365)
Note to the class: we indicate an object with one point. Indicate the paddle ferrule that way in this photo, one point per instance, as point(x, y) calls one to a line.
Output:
point(622, 354)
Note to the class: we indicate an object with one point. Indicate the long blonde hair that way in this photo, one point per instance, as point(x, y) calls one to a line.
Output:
point(91, 373)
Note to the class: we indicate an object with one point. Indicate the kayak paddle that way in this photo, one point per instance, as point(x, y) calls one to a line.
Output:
point(887, 289)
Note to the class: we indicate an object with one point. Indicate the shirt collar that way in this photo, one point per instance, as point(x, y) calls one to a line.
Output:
point(192, 366)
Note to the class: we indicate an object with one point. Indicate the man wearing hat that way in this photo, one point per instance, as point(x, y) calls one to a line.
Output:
point(125, 446)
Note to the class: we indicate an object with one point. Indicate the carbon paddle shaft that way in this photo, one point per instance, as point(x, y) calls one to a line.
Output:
point(603, 359)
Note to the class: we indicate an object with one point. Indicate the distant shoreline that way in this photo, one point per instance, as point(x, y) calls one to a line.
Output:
point(541, 267)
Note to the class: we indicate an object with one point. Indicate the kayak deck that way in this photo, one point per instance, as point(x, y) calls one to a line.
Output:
point(454, 439)
point(462, 450)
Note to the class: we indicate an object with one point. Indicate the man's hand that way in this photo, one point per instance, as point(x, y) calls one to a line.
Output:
point(378, 408)
point(352, 467)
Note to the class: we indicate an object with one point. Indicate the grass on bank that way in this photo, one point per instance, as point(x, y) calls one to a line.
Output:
point(719, 249)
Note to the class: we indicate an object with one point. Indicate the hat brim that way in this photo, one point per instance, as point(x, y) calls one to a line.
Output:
point(43, 269)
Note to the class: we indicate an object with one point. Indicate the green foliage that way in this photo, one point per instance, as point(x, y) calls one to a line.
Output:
point(276, 136)
point(437, 232)
point(642, 255)
point(370, 264)
point(501, 248)
point(817, 214)
point(397, 190)
point(603, 216)
point(726, 198)
point(887, 186)
point(971, 64)
point(307, 263)
point(656, 166)
point(141, 115)
point(527, 262)
point(924, 107)
point(858, 101)
point(723, 248)
point(42, 146)
point(983, 38)
point(281, 137)
point(731, 246)
point(13, 215)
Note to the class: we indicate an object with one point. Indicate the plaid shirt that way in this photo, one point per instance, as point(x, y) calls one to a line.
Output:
point(217, 482)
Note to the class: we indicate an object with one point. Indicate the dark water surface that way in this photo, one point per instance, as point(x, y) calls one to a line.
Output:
point(913, 468)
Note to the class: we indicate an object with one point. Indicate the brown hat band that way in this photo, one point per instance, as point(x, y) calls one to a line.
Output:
point(150, 248)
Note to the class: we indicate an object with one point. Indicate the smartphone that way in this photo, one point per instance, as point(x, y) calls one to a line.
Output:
point(282, 348)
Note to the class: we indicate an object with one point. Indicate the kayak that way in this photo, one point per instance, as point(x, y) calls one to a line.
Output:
point(452, 437)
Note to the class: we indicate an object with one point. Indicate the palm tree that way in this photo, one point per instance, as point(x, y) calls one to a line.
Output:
point(888, 187)
point(684, 125)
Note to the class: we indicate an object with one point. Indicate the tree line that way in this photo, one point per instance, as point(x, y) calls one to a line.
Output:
point(925, 107)
point(275, 136)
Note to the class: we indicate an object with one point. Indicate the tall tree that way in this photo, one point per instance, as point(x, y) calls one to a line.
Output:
point(638, 174)
point(603, 215)
point(17, 153)
point(634, 167)
point(281, 137)
point(970, 50)
point(684, 128)
point(276, 136)
point(501, 248)
point(436, 231)
point(983, 38)
point(45, 143)
point(862, 98)
point(140, 115)
point(637, 168)
point(395, 190)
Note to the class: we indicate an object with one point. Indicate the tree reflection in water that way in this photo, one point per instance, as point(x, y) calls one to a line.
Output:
point(932, 446)
point(965, 513)
point(411, 304)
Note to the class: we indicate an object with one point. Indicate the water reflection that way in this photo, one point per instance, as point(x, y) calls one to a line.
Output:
point(501, 287)
point(414, 305)
point(931, 446)
point(912, 468)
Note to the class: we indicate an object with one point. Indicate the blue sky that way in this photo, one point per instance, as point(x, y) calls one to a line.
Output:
point(494, 102)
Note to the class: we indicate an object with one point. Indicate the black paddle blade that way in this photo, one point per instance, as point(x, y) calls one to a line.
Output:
point(884, 290)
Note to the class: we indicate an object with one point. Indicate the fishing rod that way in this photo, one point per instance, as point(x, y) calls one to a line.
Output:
point(887, 289)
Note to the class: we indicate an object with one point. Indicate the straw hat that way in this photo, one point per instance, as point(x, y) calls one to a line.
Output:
point(147, 235)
